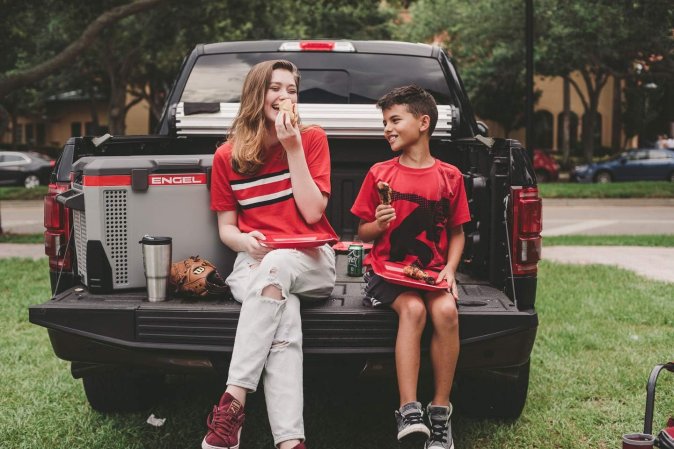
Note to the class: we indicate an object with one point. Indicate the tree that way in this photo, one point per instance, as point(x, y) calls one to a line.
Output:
point(599, 39)
point(486, 39)
point(16, 79)
point(157, 63)
point(141, 53)
point(22, 27)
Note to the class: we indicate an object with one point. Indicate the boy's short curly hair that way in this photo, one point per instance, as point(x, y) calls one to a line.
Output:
point(418, 102)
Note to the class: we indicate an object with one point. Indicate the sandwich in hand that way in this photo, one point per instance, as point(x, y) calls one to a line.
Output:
point(290, 108)
point(414, 272)
point(385, 193)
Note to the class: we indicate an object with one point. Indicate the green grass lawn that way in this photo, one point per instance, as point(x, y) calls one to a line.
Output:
point(601, 331)
point(665, 240)
point(639, 189)
point(21, 238)
point(21, 193)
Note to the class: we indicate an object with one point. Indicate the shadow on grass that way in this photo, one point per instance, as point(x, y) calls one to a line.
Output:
point(341, 411)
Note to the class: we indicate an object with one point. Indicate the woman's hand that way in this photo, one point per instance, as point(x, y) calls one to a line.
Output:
point(251, 244)
point(287, 133)
point(448, 275)
point(384, 216)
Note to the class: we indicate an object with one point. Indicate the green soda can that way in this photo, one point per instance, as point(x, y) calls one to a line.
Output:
point(354, 265)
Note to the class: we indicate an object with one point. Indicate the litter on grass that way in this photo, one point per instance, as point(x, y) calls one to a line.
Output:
point(154, 421)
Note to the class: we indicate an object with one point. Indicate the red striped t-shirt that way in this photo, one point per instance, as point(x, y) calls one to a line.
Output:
point(264, 201)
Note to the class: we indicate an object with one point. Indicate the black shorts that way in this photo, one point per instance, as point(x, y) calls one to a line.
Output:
point(379, 292)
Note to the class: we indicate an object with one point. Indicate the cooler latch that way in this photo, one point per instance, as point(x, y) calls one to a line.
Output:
point(139, 179)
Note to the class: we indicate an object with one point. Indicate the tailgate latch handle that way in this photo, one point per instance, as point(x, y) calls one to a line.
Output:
point(72, 199)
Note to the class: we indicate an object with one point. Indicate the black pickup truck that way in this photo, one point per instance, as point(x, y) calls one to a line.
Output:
point(107, 192)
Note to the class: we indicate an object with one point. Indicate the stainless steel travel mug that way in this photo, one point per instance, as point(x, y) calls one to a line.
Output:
point(157, 265)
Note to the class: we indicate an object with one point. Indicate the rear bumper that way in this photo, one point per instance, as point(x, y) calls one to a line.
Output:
point(190, 336)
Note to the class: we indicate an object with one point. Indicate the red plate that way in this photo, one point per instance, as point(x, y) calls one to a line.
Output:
point(344, 246)
point(297, 241)
point(393, 272)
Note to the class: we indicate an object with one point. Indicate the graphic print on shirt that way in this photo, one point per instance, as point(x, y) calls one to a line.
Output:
point(262, 190)
point(430, 217)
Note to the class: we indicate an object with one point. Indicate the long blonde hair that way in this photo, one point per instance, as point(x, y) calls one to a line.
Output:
point(248, 129)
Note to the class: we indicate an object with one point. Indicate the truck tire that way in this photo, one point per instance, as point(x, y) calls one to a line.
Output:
point(493, 394)
point(120, 391)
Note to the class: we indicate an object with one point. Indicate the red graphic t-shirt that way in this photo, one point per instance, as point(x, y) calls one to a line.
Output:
point(428, 201)
point(265, 200)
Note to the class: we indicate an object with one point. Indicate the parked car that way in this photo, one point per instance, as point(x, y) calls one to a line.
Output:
point(546, 168)
point(641, 164)
point(29, 169)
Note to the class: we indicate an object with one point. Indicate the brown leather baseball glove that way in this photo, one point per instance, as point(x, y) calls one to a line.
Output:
point(196, 277)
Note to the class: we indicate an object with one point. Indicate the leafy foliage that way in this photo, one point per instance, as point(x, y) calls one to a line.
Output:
point(487, 40)
point(600, 39)
point(144, 51)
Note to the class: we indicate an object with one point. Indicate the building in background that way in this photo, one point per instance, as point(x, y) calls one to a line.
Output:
point(548, 117)
point(70, 115)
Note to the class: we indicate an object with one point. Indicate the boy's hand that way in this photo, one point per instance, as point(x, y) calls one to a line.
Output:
point(384, 216)
point(252, 245)
point(448, 275)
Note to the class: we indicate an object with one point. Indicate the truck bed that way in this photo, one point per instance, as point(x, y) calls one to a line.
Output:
point(340, 325)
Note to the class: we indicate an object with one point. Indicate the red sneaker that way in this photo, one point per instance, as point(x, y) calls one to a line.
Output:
point(224, 424)
point(300, 446)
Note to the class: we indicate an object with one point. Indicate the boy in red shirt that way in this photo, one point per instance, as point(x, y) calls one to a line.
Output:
point(422, 227)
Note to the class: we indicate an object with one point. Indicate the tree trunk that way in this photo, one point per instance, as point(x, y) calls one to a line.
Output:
point(588, 136)
point(616, 113)
point(95, 124)
point(15, 124)
point(566, 122)
point(594, 83)
point(117, 109)
point(4, 121)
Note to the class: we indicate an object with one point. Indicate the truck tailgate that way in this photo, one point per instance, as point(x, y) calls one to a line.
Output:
point(338, 325)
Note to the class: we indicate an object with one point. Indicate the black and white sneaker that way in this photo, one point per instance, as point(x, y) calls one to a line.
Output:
point(440, 418)
point(411, 427)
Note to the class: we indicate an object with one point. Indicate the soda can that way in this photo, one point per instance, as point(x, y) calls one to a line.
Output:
point(354, 265)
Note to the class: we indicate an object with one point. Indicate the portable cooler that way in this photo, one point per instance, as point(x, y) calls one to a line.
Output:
point(121, 199)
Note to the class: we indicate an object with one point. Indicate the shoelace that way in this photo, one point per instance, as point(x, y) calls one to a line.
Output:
point(413, 418)
point(223, 423)
point(438, 431)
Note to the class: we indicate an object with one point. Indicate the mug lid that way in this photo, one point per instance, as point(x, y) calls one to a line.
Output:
point(155, 240)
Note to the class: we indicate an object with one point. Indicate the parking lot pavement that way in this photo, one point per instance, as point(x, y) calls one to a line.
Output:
point(650, 262)
point(22, 217)
point(26, 250)
point(608, 216)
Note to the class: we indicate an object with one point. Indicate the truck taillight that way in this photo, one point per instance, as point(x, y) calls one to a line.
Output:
point(527, 226)
point(57, 233)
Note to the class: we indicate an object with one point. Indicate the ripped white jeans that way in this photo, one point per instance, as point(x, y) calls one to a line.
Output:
point(268, 340)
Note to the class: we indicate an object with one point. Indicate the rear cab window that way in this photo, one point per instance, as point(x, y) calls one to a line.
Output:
point(335, 78)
